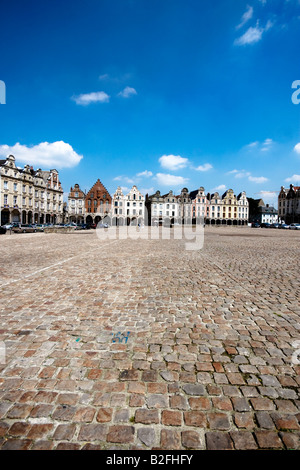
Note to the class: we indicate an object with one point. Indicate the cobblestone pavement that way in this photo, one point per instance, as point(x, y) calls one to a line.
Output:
point(210, 361)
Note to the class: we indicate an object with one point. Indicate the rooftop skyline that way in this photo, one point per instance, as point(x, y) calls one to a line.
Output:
point(164, 95)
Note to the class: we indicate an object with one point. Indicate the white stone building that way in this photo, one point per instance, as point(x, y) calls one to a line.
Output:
point(28, 195)
point(128, 209)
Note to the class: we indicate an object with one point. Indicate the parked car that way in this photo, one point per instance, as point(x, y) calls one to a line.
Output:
point(85, 226)
point(102, 225)
point(255, 225)
point(275, 225)
point(284, 226)
point(265, 225)
point(39, 227)
point(2, 230)
point(8, 226)
point(24, 228)
point(295, 226)
point(92, 225)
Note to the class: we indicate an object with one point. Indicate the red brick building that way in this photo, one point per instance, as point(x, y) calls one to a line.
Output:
point(97, 203)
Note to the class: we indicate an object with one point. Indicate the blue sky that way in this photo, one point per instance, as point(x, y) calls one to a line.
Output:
point(162, 93)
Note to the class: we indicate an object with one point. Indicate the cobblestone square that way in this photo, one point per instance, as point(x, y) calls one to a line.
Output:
point(142, 344)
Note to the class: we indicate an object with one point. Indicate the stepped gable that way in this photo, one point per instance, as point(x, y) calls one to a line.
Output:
point(98, 190)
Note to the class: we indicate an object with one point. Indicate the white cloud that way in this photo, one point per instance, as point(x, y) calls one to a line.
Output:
point(297, 148)
point(221, 187)
point(246, 17)
point(147, 190)
point(268, 194)
point(45, 155)
point(293, 179)
point(239, 173)
point(257, 179)
point(145, 173)
point(173, 162)
point(253, 34)
point(205, 167)
point(88, 98)
point(252, 144)
point(127, 92)
point(124, 178)
point(242, 174)
point(170, 180)
point(266, 145)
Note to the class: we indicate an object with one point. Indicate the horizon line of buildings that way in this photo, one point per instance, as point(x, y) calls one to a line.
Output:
point(36, 196)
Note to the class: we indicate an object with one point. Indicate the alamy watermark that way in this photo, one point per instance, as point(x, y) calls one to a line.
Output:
point(296, 353)
point(192, 234)
point(296, 94)
point(2, 353)
point(2, 92)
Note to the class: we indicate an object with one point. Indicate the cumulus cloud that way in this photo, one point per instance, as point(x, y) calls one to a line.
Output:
point(127, 92)
point(170, 180)
point(205, 167)
point(293, 179)
point(257, 179)
point(239, 173)
point(45, 155)
point(173, 162)
point(88, 98)
point(267, 194)
point(297, 148)
point(145, 173)
point(221, 187)
point(124, 178)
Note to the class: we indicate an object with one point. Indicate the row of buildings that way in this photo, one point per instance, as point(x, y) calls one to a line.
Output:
point(36, 196)
point(135, 208)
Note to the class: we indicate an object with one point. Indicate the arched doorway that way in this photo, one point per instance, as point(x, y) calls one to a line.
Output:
point(5, 216)
point(24, 217)
point(15, 216)
point(89, 220)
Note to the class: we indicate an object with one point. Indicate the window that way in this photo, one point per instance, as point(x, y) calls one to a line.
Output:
point(15, 186)
point(76, 194)
point(5, 198)
point(15, 200)
point(5, 185)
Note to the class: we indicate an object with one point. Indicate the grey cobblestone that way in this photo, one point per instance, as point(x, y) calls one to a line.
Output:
point(208, 361)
